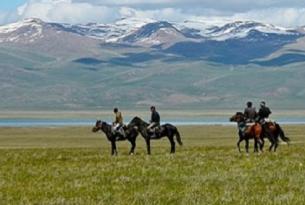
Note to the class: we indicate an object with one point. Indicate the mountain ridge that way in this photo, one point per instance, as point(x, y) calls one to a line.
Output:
point(135, 63)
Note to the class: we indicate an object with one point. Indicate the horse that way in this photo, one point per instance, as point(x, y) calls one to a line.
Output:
point(274, 129)
point(166, 130)
point(253, 131)
point(131, 135)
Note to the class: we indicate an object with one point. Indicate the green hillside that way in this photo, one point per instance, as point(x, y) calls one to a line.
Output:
point(43, 81)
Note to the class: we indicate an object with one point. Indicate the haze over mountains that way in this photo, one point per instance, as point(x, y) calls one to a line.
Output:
point(138, 62)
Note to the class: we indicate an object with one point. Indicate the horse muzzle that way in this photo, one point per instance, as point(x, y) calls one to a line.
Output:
point(95, 129)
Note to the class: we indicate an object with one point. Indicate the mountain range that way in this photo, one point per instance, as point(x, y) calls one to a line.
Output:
point(138, 62)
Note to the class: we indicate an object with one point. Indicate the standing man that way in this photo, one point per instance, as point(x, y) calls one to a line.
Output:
point(118, 122)
point(250, 113)
point(154, 120)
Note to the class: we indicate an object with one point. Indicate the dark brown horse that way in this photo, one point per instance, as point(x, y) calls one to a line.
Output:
point(274, 131)
point(166, 130)
point(131, 135)
point(253, 131)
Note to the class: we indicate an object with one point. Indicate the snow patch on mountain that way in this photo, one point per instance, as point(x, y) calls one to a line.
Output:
point(29, 29)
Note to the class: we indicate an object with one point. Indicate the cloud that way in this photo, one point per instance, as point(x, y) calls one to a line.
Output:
point(106, 11)
point(286, 17)
point(66, 11)
point(168, 14)
point(224, 5)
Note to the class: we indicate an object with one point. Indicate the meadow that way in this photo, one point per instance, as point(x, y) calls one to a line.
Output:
point(72, 165)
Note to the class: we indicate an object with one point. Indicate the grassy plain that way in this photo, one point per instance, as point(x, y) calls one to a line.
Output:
point(71, 165)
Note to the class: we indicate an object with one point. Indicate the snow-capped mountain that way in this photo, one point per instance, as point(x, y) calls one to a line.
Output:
point(109, 32)
point(28, 30)
point(230, 30)
point(236, 42)
point(193, 63)
point(241, 29)
point(155, 34)
point(146, 31)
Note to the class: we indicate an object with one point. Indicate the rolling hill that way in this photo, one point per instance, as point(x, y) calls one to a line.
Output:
point(134, 63)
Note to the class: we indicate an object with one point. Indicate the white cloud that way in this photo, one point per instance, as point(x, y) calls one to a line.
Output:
point(106, 11)
point(168, 14)
point(66, 11)
point(286, 17)
point(224, 5)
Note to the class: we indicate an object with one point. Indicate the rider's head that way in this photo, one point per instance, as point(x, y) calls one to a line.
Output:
point(263, 104)
point(249, 104)
point(152, 108)
point(115, 110)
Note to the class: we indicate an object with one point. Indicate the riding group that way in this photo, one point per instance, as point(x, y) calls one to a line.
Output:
point(257, 126)
point(153, 130)
point(251, 125)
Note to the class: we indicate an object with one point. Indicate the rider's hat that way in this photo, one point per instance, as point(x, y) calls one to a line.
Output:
point(263, 103)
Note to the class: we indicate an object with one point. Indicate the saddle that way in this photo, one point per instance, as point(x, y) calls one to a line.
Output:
point(155, 132)
point(120, 132)
point(245, 127)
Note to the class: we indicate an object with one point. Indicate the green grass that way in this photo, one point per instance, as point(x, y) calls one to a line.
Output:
point(74, 166)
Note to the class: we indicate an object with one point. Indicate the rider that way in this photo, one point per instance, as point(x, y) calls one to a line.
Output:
point(263, 113)
point(250, 113)
point(154, 120)
point(118, 122)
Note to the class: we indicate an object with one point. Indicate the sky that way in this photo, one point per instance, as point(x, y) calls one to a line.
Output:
point(286, 13)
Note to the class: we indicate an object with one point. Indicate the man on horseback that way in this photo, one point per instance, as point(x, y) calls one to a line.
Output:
point(250, 113)
point(118, 123)
point(153, 127)
point(263, 113)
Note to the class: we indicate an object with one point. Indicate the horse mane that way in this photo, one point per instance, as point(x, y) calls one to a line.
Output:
point(137, 120)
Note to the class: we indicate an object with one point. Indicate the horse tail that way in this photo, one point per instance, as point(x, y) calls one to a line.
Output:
point(178, 137)
point(282, 134)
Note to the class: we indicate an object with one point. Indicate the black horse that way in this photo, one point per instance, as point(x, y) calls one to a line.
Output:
point(166, 130)
point(131, 135)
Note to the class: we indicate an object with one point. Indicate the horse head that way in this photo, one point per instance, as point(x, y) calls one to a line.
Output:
point(98, 126)
point(238, 117)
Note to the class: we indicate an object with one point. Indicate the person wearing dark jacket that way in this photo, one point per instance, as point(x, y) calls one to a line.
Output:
point(154, 120)
point(263, 113)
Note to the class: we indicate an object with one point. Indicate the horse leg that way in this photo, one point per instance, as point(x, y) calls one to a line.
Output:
point(148, 145)
point(276, 144)
point(272, 144)
point(262, 145)
point(271, 139)
point(238, 144)
point(133, 146)
point(255, 145)
point(247, 146)
point(171, 140)
point(113, 148)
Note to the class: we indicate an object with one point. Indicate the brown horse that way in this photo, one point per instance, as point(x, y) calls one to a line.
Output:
point(253, 131)
point(275, 131)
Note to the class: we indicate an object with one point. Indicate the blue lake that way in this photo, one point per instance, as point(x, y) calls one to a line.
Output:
point(90, 122)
